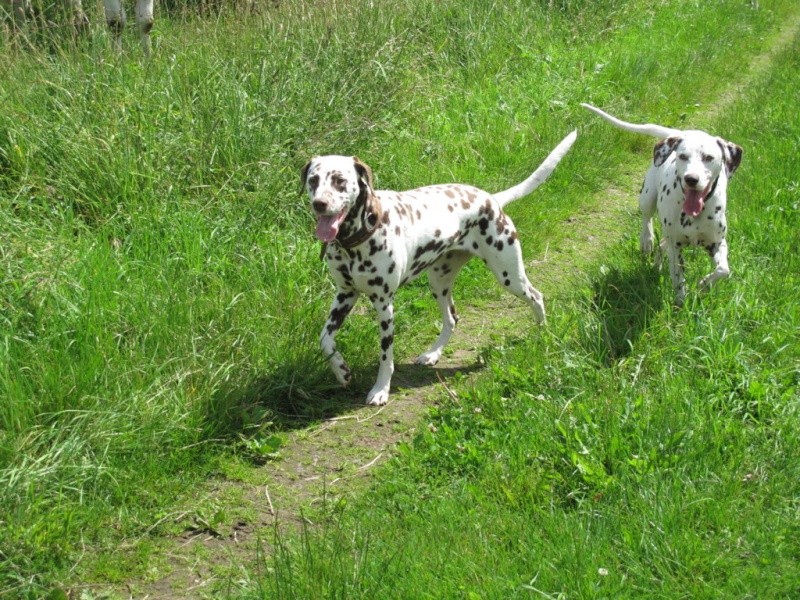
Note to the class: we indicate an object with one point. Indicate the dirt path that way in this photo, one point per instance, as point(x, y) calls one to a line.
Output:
point(335, 458)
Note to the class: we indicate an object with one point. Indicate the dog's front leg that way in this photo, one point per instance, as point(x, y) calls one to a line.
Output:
point(647, 206)
point(719, 255)
point(379, 394)
point(342, 305)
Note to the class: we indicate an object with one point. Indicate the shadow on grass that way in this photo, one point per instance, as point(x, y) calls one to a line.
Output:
point(413, 376)
point(297, 394)
point(624, 300)
point(291, 396)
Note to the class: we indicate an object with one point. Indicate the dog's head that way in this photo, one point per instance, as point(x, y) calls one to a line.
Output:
point(335, 184)
point(699, 161)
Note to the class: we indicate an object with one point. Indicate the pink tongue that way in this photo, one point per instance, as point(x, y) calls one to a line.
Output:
point(693, 202)
point(328, 227)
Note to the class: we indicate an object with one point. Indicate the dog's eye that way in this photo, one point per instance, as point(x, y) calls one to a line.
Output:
point(683, 157)
point(339, 183)
point(707, 158)
point(313, 182)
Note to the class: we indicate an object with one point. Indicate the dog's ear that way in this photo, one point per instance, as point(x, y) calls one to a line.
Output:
point(364, 173)
point(663, 149)
point(304, 176)
point(731, 155)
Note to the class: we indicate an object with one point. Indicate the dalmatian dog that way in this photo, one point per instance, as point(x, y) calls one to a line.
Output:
point(374, 241)
point(687, 185)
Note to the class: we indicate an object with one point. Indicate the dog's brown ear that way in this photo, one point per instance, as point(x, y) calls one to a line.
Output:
point(731, 155)
point(663, 149)
point(304, 176)
point(364, 173)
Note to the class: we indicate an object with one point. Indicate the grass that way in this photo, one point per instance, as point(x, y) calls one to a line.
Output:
point(161, 297)
point(628, 450)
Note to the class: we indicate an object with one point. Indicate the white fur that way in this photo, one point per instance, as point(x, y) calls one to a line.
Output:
point(435, 229)
point(687, 164)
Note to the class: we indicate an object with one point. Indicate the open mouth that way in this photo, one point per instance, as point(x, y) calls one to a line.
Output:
point(694, 200)
point(328, 226)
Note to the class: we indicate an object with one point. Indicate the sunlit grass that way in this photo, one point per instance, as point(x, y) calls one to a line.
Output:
point(628, 450)
point(161, 290)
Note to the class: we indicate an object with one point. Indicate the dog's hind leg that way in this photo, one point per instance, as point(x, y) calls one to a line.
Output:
point(441, 277)
point(504, 259)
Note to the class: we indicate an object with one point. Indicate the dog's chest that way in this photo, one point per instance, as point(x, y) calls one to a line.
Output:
point(370, 267)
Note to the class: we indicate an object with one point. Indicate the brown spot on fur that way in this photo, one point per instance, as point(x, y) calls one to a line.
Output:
point(338, 182)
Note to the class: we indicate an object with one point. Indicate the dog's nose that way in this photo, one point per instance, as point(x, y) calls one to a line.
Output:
point(691, 180)
point(319, 206)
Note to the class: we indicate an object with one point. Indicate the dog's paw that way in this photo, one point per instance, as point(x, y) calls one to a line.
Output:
point(377, 398)
point(707, 282)
point(429, 358)
point(343, 374)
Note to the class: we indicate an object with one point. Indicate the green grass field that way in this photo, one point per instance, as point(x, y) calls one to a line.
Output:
point(161, 298)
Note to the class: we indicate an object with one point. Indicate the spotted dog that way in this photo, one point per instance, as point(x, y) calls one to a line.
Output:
point(376, 240)
point(687, 185)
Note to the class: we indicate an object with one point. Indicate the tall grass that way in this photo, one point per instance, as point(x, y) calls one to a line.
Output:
point(628, 450)
point(161, 291)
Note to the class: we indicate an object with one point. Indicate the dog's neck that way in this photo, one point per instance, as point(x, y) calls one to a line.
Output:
point(361, 222)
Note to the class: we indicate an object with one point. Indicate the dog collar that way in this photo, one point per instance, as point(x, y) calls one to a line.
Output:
point(362, 234)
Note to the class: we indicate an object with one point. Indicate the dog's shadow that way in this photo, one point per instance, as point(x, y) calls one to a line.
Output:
point(624, 301)
point(290, 396)
point(300, 392)
point(409, 376)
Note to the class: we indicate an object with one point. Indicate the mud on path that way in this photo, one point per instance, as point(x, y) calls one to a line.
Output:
point(334, 458)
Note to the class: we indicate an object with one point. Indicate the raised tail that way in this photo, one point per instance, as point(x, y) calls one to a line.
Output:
point(538, 177)
point(648, 128)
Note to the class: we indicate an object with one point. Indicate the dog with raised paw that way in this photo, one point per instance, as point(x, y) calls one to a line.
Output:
point(374, 241)
point(687, 186)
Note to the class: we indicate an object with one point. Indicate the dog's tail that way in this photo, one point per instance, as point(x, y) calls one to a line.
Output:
point(538, 177)
point(648, 128)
